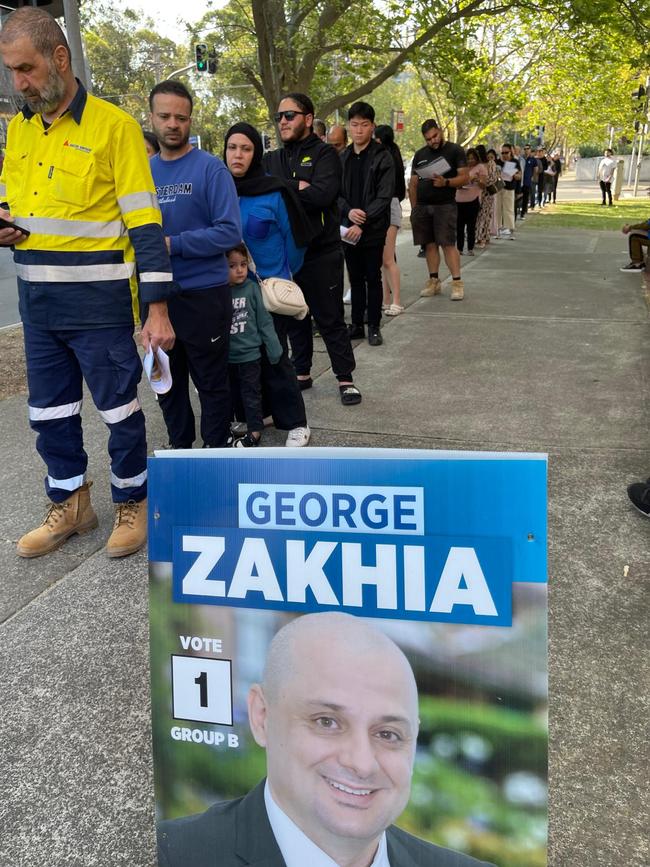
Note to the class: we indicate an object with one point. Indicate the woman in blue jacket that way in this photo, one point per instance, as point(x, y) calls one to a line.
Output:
point(276, 232)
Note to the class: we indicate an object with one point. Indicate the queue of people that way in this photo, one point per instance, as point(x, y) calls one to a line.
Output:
point(193, 235)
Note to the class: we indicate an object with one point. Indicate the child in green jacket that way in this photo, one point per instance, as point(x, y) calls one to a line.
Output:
point(251, 327)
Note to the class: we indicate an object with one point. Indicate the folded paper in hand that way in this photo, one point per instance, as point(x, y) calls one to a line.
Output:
point(156, 366)
point(429, 170)
point(343, 232)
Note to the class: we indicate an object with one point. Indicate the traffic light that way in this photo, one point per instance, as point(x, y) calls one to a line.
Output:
point(201, 55)
point(212, 61)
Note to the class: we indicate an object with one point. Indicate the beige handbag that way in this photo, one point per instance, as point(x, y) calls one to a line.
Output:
point(282, 296)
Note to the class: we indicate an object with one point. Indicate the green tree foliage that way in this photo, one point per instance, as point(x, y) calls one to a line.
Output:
point(484, 68)
point(127, 57)
point(578, 101)
point(336, 50)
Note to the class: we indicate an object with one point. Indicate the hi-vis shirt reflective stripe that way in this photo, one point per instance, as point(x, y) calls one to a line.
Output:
point(137, 201)
point(73, 228)
point(74, 273)
point(83, 188)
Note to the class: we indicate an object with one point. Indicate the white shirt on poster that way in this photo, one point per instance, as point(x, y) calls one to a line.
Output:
point(297, 849)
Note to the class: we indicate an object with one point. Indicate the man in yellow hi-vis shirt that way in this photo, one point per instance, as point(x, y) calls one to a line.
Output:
point(76, 178)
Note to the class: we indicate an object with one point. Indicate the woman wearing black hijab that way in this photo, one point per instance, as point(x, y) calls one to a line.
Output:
point(276, 232)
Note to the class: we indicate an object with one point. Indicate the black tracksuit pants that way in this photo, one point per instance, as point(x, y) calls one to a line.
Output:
point(321, 280)
point(364, 270)
point(201, 319)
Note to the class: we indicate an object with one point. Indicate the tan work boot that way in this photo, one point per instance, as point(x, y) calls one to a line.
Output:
point(74, 515)
point(457, 290)
point(129, 530)
point(433, 286)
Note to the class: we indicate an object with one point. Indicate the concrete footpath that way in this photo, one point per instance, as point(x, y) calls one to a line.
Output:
point(549, 352)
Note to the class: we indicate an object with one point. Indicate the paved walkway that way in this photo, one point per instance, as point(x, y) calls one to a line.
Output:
point(548, 352)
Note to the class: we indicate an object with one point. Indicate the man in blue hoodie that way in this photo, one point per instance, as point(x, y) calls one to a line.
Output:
point(201, 222)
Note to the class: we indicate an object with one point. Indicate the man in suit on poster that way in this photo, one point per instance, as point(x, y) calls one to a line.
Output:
point(337, 713)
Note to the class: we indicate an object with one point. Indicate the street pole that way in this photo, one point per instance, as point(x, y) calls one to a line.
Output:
point(632, 163)
point(639, 160)
point(73, 31)
point(644, 127)
point(181, 70)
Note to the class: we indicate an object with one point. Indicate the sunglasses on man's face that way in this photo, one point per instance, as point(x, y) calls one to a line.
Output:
point(288, 115)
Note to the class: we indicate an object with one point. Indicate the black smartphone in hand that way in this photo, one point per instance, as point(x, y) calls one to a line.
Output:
point(7, 224)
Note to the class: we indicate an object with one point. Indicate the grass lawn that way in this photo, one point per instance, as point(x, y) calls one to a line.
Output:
point(591, 215)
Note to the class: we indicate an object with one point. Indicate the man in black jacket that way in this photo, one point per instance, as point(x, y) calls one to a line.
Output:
point(366, 191)
point(313, 169)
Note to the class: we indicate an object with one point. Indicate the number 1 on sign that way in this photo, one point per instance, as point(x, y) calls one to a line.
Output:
point(202, 682)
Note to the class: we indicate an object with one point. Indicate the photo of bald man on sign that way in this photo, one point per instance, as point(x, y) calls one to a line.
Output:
point(337, 713)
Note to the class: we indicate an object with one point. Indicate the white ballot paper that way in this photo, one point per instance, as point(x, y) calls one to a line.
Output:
point(344, 231)
point(437, 167)
point(508, 170)
point(156, 366)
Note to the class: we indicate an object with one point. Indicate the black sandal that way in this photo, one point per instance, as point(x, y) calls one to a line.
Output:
point(350, 395)
point(246, 442)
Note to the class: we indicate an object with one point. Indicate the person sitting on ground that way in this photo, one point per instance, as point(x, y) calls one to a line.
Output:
point(639, 237)
point(251, 328)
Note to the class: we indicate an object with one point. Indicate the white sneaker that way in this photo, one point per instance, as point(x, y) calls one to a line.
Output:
point(298, 437)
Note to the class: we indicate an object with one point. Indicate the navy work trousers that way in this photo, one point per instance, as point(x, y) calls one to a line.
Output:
point(57, 364)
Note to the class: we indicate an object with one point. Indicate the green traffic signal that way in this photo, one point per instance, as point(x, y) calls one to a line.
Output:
point(201, 56)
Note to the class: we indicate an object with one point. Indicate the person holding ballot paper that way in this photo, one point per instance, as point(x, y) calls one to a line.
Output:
point(438, 170)
point(510, 174)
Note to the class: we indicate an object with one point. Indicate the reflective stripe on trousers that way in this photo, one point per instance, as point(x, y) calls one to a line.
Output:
point(57, 364)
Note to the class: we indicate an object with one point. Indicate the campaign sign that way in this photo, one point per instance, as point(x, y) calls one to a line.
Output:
point(348, 656)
